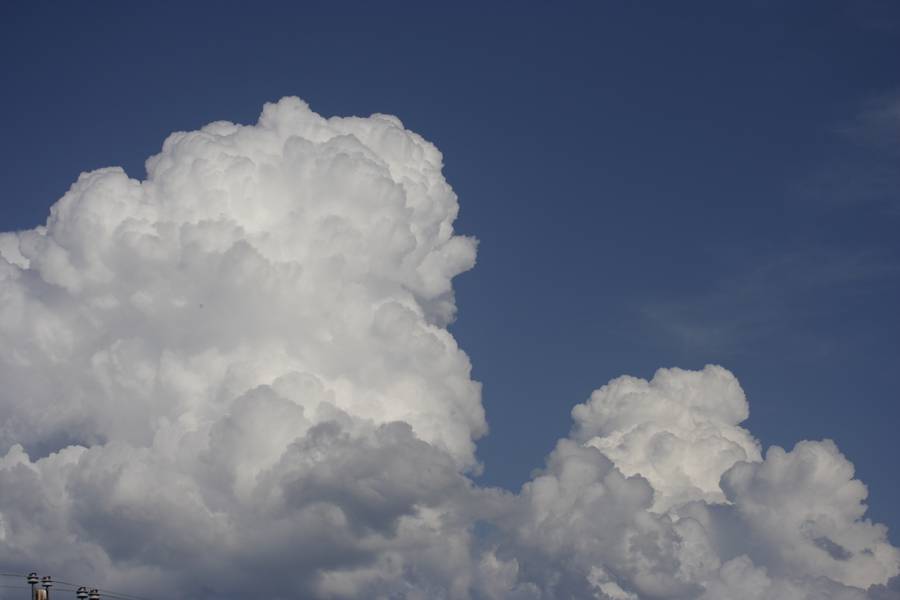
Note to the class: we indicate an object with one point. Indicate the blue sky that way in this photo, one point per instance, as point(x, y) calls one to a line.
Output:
point(652, 185)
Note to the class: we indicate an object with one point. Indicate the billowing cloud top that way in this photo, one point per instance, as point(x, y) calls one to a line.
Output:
point(235, 377)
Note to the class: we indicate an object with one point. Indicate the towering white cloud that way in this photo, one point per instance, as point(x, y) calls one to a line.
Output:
point(680, 430)
point(234, 377)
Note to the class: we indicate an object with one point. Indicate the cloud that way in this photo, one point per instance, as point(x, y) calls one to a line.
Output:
point(877, 124)
point(235, 377)
point(805, 512)
point(860, 173)
point(776, 294)
point(680, 431)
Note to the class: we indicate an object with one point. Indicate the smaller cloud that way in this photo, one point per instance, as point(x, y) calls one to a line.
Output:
point(679, 430)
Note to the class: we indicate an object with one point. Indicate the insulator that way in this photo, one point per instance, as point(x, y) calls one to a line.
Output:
point(33, 579)
point(94, 595)
point(46, 581)
point(81, 593)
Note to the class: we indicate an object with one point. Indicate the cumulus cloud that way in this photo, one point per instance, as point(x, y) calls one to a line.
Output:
point(235, 377)
point(680, 430)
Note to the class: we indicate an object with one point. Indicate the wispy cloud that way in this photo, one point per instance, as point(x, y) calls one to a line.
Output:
point(778, 294)
point(877, 123)
point(864, 167)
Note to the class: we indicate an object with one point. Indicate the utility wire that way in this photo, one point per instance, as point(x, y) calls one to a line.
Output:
point(122, 595)
point(65, 586)
point(75, 586)
point(108, 594)
point(105, 593)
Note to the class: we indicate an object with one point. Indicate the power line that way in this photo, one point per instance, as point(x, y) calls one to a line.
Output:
point(74, 587)
point(108, 594)
point(67, 587)
point(123, 595)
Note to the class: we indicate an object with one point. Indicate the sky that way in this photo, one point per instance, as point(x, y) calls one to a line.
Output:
point(651, 186)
